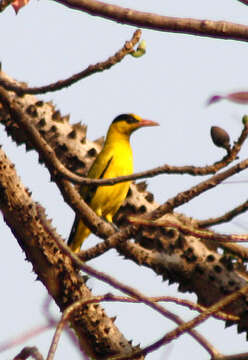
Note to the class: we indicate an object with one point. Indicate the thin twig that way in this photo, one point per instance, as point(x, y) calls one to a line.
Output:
point(92, 69)
point(58, 169)
point(104, 298)
point(196, 190)
point(174, 334)
point(228, 216)
point(125, 289)
point(164, 169)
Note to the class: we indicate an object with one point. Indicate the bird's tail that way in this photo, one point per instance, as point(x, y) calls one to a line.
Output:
point(79, 233)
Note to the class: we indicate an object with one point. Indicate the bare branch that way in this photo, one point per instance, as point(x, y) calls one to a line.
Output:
point(214, 29)
point(228, 216)
point(129, 291)
point(54, 268)
point(91, 69)
point(196, 190)
point(174, 334)
point(164, 169)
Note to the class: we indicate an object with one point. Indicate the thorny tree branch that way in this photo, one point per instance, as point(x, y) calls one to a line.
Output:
point(171, 204)
point(97, 225)
point(129, 291)
point(53, 164)
point(54, 268)
point(107, 298)
point(92, 69)
point(70, 192)
point(215, 29)
point(60, 169)
point(201, 234)
point(131, 248)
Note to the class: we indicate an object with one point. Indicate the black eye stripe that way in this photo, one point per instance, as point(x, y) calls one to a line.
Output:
point(125, 117)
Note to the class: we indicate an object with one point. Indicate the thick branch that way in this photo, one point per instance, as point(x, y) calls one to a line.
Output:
point(209, 28)
point(176, 257)
point(54, 268)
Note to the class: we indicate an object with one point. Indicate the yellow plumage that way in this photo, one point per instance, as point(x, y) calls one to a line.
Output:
point(115, 159)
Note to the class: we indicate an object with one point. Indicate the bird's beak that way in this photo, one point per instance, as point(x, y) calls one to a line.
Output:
point(144, 122)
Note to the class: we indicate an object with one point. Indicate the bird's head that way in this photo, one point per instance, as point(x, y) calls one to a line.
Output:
point(127, 123)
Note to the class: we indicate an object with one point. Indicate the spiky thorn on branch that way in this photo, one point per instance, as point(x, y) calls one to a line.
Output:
point(128, 48)
point(175, 257)
point(112, 298)
point(60, 169)
point(183, 327)
point(54, 268)
point(164, 169)
point(68, 190)
point(202, 234)
point(127, 290)
point(54, 165)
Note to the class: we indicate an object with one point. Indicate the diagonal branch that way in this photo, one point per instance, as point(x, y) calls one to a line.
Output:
point(91, 69)
point(209, 28)
point(131, 292)
point(198, 189)
point(226, 217)
point(54, 268)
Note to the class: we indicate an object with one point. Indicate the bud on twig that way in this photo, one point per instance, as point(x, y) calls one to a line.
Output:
point(220, 138)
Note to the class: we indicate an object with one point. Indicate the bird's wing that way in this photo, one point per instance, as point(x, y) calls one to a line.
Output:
point(97, 171)
point(73, 230)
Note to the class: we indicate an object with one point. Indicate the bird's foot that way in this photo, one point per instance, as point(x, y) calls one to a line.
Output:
point(115, 227)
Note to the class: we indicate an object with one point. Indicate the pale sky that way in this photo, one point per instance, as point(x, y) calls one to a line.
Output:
point(170, 84)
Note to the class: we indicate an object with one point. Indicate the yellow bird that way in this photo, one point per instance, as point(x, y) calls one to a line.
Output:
point(115, 159)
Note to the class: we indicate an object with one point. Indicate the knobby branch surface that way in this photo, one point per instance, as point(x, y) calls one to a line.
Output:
point(201, 234)
point(129, 291)
point(90, 70)
point(214, 29)
point(54, 268)
point(95, 223)
point(175, 256)
point(46, 152)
